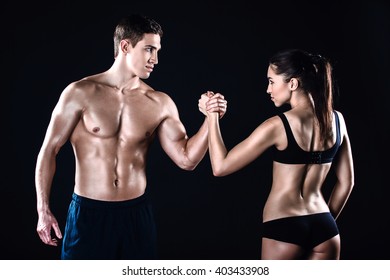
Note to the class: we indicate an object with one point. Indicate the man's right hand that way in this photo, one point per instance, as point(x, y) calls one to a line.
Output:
point(211, 102)
point(47, 222)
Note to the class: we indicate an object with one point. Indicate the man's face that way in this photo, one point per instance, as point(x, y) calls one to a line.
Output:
point(143, 56)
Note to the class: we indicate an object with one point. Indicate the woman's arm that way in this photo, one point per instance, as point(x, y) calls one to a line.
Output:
point(225, 162)
point(344, 172)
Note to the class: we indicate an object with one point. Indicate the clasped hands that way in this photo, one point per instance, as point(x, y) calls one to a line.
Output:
point(211, 102)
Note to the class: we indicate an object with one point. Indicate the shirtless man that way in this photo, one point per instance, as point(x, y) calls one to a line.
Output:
point(111, 119)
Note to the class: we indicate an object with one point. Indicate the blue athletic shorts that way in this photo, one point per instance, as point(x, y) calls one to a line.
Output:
point(109, 230)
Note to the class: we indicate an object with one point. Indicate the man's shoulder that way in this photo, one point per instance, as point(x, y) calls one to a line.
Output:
point(82, 83)
point(86, 84)
point(79, 90)
point(157, 95)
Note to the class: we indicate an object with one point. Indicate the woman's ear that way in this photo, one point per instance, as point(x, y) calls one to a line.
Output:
point(293, 84)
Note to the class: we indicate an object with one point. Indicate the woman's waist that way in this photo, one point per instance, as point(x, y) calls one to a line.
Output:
point(278, 206)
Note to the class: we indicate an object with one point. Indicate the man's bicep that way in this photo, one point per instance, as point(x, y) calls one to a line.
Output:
point(172, 136)
point(64, 118)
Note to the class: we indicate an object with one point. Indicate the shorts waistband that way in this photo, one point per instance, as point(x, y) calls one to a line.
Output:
point(301, 216)
point(89, 202)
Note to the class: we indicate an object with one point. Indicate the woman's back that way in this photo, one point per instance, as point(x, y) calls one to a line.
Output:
point(302, 162)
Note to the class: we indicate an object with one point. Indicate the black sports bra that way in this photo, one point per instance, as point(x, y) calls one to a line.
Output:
point(294, 154)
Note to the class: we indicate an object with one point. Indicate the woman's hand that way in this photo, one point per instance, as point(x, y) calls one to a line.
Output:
point(211, 102)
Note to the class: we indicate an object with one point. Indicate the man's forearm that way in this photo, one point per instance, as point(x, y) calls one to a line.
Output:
point(43, 178)
point(197, 146)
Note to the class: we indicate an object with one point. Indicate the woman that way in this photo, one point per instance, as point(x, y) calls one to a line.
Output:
point(307, 139)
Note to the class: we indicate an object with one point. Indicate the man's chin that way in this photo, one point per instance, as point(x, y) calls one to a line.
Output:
point(143, 77)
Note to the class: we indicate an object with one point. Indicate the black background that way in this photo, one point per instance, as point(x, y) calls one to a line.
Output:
point(211, 45)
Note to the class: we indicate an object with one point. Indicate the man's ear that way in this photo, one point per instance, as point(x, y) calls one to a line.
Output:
point(293, 84)
point(125, 46)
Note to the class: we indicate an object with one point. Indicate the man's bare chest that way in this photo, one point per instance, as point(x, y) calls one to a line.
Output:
point(127, 120)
